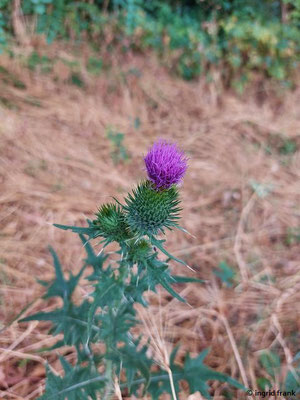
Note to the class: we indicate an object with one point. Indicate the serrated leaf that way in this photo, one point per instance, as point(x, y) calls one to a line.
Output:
point(169, 289)
point(78, 383)
point(96, 261)
point(135, 290)
point(42, 283)
point(159, 244)
point(186, 279)
point(115, 325)
point(91, 231)
point(108, 290)
point(60, 286)
point(157, 273)
point(135, 362)
point(70, 320)
point(66, 366)
point(160, 384)
point(194, 372)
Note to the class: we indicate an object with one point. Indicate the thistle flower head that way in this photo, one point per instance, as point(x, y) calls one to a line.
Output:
point(165, 164)
point(111, 223)
point(138, 250)
point(149, 211)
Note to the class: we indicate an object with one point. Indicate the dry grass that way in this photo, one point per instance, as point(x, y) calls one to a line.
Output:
point(55, 166)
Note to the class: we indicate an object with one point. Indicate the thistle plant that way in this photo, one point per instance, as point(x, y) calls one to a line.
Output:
point(109, 314)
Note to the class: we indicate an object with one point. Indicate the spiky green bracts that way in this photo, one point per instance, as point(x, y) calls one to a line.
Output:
point(149, 212)
point(138, 251)
point(111, 224)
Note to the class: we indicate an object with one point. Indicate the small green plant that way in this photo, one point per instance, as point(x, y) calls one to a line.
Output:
point(94, 65)
point(292, 379)
point(120, 281)
point(76, 80)
point(43, 63)
point(119, 152)
point(225, 273)
point(292, 236)
point(270, 362)
point(10, 79)
point(289, 146)
point(5, 12)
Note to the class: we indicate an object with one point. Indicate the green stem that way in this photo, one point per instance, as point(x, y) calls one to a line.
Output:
point(109, 378)
point(109, 370)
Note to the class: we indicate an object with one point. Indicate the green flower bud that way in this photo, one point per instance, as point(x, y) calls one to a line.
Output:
point(138, 250)
point(111, 223)
point(149, 211)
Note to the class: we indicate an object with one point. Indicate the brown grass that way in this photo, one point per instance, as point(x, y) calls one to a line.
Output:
point(55, 166)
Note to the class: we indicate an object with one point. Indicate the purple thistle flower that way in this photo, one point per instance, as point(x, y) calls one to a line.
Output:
point(165, 164)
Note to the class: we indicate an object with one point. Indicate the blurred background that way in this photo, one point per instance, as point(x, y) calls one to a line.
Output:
point(85, 88)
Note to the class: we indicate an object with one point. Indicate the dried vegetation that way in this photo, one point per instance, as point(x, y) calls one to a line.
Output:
point(241, 202)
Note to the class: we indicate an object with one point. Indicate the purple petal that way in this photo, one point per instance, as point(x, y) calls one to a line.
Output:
point(165, 164)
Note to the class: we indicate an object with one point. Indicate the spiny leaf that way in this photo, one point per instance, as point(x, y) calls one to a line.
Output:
point(134, 361)
point(80, 380)
point(96, 261)
point(76, 229)
point(60, 286)
point(70, 320)
point(57, 266)
point(159, 244)
point(185, 279)
point(66, 366)
point(115, 325)
point(108, 289)
point(135, 290)
point(157, 273)
point(78, 383)
point(194, 372)
point(91, 230)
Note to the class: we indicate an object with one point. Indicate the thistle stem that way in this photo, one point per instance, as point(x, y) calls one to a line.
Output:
point(109, 377)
